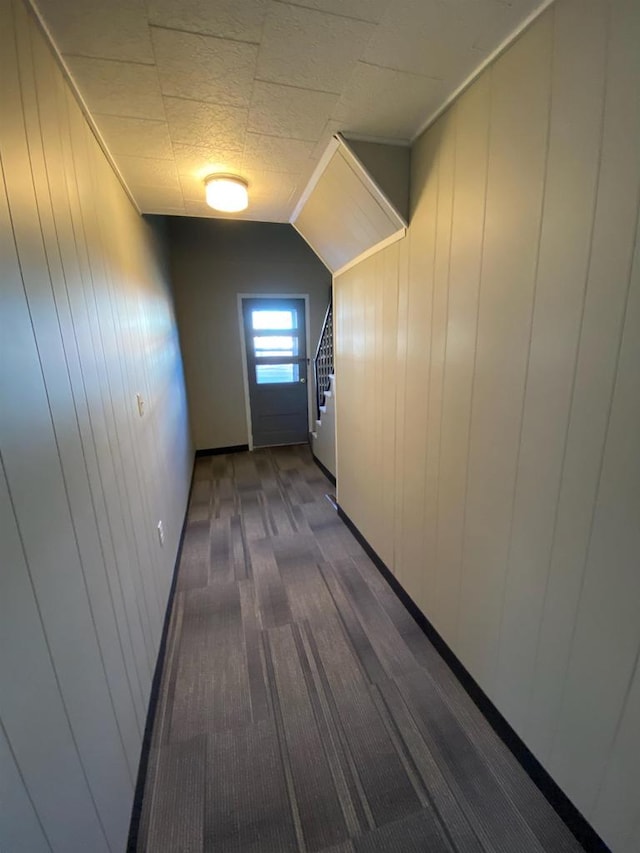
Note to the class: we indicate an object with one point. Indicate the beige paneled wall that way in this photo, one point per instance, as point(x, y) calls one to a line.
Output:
point(489, 406)
point(86, 323)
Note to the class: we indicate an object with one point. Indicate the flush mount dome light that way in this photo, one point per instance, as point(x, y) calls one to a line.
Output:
point(227, 193)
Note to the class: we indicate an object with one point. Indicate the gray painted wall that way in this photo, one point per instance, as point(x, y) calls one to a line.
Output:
point(211, 262)
point(498, 472)
point(86, 322)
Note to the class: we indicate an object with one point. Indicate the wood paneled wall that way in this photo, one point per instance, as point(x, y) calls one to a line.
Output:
point(86, 323)
point(489, 396)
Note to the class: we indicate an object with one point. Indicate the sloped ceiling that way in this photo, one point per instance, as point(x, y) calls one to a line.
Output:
point(182, 88)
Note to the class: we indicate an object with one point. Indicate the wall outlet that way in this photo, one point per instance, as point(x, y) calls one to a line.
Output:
point(140, 403)
point(161, 533)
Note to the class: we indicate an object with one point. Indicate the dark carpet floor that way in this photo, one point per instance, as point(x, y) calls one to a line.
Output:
point(301, 707)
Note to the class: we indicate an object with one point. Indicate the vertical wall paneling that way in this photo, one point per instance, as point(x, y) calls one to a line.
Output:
point(87, 322)
point(35, 473)
point(358, 387)
point(508, 506)
point(82, 294)
point(416, 397)
point(377, 402)
point(57, 374)
point(88, 376)
point(437, 343)
point(607, 626)
point(632, 843)
point(24, 832)
point(387, 288)
point(369, 378)
point(33, 713)
point(519, 122)
point(576, 110)
point(469, 193)
point(345, 342)
point(402, 335)
point(145, 475)
point(53, 205)
point(617, 803)
point(558, 685)
point(118, 344)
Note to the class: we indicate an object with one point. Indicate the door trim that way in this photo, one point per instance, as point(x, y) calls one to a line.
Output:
point(243, 343)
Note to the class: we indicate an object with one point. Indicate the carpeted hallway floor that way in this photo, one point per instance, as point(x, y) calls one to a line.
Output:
point(301, 707)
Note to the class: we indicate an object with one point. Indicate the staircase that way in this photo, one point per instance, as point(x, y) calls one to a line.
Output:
point(323, 438)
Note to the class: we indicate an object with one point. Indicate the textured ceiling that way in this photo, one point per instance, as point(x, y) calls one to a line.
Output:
point(183, 88)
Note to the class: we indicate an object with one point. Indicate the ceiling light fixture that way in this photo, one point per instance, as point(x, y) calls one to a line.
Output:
point(227, 193)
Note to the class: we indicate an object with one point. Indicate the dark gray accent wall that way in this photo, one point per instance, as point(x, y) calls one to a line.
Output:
point(212, 261)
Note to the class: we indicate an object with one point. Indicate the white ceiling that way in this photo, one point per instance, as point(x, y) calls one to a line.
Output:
point(183, 88)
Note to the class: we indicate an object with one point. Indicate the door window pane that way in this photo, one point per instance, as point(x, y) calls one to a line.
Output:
point(275, 345)
point(268, 374)
point(274, 319)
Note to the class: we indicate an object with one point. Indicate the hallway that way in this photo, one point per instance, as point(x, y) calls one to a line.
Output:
point(301, 708)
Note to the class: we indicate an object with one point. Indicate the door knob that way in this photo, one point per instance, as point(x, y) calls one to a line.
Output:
point(303, 379)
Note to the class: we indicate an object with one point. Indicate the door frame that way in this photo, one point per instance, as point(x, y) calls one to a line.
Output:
point(243, 345)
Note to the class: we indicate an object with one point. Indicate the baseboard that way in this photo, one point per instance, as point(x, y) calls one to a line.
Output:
point(327, 473)
point(573, 818)
point(136, 810)
point(220, 451)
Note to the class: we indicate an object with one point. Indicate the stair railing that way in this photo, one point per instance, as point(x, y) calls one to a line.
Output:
point(323, 361)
